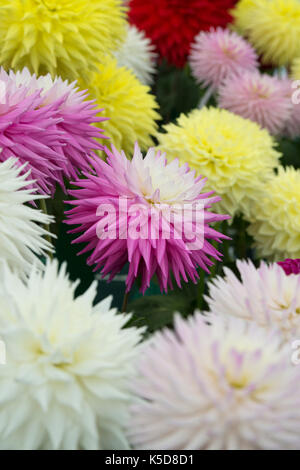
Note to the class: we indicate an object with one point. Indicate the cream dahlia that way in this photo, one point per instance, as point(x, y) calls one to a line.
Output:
point(66, 384)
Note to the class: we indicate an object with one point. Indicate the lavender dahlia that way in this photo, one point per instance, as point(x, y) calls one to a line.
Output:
point(157, 190)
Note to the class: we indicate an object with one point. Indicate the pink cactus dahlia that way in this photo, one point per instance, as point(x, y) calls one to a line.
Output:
point(258, 97)
point(47, 124)
point(219, 53)
point(147, 212)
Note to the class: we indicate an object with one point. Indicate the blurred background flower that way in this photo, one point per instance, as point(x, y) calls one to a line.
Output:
point(172, 25)
point(259, 97)
point(220, 53)
point(137, 53)
point(63, 37)
point(272, 27)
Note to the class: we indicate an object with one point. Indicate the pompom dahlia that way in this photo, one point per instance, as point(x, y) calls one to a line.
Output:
point(172, 25)
point(235, 155)
point(220, 53)
point(70, 364)
point(144, 223)
point(290, 266)
point(272, 27)
point(275, 221)
point(63, 37)
point(228, 385)
point(266, 296)
point(21, 233)
point(137, 53)
point(47, 124)
point(259, 97)
point(128, 104)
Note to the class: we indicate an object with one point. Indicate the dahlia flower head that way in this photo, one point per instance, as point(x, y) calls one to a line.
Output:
point(220, 53)
point(264, 295)
point(60, 37)
point(67, 381)
point(290, 266)
point(128, 104)
point(235, 154)
point(147, 212)
point(48, 124)
point(172, 26)
point(226, 385)
point(258, 97)
point(21, 233)
point(275, 220)
point(137, 53)
point(272, 27)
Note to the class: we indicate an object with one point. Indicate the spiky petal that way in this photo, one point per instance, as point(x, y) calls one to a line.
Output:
point(149, 185)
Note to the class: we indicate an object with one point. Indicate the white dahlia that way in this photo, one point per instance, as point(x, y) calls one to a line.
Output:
point(21, 236)
point(137, 53)
point(265, 295)
point(66, 384)
point(225, 385)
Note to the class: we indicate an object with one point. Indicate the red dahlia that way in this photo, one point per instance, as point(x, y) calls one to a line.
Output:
point(173, 24)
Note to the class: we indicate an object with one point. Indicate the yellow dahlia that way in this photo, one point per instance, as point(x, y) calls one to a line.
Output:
point(235, 154)
point(276, 217)
point(128, 104)
point(272, 26)
point(63, 37)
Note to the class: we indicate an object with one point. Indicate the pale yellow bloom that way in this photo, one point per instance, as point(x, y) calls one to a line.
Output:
point(235, 154)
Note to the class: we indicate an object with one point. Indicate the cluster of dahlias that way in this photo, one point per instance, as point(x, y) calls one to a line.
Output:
point(77, 111)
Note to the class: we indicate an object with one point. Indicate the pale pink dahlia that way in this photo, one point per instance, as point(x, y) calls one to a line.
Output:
point(216, 384)
point(47, 124)
point(258, 97)
point(219, 53)
point(147, 212)
point(264, 295)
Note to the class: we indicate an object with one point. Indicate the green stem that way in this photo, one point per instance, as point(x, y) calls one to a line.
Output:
point(46, 226)
point(201, 290)
point(242, 240)
point(125, 302)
